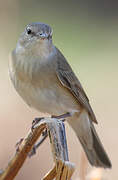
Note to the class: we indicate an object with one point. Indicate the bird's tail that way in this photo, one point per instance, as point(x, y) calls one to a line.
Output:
point(90, 141)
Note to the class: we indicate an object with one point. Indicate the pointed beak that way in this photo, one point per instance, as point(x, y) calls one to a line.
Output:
point(43, 35)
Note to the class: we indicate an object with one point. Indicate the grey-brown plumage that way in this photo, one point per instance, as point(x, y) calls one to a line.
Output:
point(46, 82)
point(70, 81)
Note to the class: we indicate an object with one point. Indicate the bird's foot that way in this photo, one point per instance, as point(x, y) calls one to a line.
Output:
point(44, 135)
point(36, 121)
point(34, 149)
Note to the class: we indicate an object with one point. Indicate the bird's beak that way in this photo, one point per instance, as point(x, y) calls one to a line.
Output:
point(43, 36)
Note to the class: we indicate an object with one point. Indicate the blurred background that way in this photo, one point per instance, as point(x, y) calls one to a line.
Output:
point(87, 34)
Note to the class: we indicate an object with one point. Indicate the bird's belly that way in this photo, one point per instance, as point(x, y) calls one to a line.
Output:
point(53, 100)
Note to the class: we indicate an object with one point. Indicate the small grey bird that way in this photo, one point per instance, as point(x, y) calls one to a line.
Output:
point(44, 79)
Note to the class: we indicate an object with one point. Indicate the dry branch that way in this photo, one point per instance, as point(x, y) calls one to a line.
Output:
point(63, 168)
point(25, 147)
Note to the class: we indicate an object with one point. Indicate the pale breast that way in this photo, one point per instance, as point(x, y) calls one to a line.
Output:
point(52, 100)
point(42, 89)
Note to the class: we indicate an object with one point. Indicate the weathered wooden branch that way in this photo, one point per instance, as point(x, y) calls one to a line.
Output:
point(58, 143)
point(25, 147)
point(63, 168)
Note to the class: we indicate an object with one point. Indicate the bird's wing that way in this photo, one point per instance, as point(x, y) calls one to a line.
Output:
point(69, 80)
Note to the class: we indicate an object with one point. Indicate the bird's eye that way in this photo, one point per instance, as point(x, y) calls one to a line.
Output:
point(41, 34)
point(29, 31)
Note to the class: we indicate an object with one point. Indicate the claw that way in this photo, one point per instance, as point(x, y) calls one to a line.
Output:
point(36, 121)
point(34, 149)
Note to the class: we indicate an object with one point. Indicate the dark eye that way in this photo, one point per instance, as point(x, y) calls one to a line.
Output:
point(29, 31)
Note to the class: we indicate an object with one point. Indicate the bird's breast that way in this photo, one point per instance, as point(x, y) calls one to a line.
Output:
point(40, 88)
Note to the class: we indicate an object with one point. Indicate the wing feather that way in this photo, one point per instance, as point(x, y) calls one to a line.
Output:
point(69, 80)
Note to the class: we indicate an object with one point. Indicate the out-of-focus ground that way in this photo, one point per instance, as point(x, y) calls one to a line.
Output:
point(87, 34)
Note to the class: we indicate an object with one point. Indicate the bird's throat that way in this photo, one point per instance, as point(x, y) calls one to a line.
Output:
point(43, 49)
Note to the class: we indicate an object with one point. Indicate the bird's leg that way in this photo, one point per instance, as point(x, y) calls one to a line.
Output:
point(66, 115)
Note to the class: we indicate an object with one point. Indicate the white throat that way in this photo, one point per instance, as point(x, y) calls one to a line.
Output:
point(43, 49)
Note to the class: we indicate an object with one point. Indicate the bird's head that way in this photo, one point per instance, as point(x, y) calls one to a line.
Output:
point(35, 35)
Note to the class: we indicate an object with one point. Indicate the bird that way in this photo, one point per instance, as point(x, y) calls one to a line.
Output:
point(46, 82)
